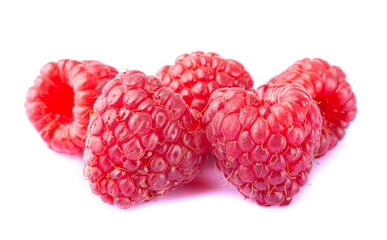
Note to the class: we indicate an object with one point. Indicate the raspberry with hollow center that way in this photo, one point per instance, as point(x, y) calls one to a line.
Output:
point(328, 87)
point(195, 76)
point(59, 102)
point(143, 141)
point(264, 141)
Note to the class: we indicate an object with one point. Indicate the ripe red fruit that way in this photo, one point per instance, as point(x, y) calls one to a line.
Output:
point(328, 87)
point(264, 141)
point(195, 76)
point(143, 141)
point(59, 102)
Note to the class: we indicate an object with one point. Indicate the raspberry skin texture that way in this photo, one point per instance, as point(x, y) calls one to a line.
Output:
point(195, 76)
point(264, 140)
point(328, 86)
point(61, 98)
point(143, 141)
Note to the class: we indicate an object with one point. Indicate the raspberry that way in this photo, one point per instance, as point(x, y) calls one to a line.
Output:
point(60, 99)
point(328, 87)
point(143, 141)
point(195, 76)
point(264, 141)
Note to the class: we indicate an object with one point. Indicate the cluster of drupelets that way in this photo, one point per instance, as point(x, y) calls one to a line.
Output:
point(143, 136)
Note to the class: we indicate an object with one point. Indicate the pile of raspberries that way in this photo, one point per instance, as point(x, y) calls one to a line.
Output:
point(143, 136)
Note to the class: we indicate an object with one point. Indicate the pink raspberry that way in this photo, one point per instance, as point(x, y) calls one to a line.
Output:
point(195, 76)
point(143, 141)
point(328, 87)
point(264, 141)
point(59, 102)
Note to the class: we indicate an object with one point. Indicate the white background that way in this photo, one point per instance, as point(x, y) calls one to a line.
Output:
point(44, 195)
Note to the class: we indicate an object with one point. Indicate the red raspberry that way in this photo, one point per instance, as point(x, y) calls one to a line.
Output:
point(328, 87)
point(264, 141)
point(59, 102)
point(195, 76)
point(143, 141)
